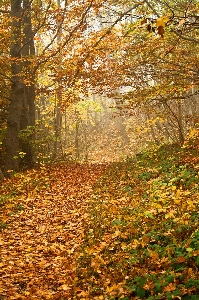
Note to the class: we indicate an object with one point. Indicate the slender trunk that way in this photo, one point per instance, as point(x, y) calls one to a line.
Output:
point(154, 135)
point(77, 136)
point(57, 128)
point(1, 176)
point(84, 127)
point(58, 114)
point(180, 126)
point(119, 122)
point(178, 119)
point(104, 105)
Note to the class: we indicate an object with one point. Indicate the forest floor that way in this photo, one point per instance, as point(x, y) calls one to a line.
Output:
point(43, 217)
point(125, 230)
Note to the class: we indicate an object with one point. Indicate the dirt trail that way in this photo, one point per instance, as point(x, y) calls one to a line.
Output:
point(38, 248)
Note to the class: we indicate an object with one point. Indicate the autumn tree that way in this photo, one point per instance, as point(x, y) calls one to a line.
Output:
point(156, 63)
point(142, 54)
point(48, 25)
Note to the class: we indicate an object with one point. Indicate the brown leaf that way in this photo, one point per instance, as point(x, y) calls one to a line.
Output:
point(161, 31)
point(144, 21)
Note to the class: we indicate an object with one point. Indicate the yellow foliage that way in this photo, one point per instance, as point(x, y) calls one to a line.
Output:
point(162, 21)
point(192, 133)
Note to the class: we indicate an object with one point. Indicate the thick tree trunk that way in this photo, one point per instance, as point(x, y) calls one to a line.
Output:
point(17, 90)
point(27, 126)
point(28, 109)
point(21, 113)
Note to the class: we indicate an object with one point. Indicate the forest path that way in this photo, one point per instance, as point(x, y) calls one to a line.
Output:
point(46, 223)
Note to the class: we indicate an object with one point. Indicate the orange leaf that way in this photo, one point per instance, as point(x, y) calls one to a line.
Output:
point(65, 287)
point(169, 288)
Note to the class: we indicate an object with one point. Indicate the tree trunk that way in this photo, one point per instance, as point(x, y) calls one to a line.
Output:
point(77, 151)
point(21, 112)
point(1, 176)
point(57, 129)
point(17, 90)
point(58, 100)
point(180, 123)
point(28, 109)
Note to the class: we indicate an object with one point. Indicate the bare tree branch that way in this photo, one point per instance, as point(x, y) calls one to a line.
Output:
point(5, 11)
point(187, 38)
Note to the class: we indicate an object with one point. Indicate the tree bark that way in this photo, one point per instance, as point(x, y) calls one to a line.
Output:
point(21, 112)
point(1, 176)
point(28, 109)
point(17, 90)
point(58, 100)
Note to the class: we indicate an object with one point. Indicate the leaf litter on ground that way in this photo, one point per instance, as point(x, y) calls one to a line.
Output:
point(43, 216)
point(128, 230)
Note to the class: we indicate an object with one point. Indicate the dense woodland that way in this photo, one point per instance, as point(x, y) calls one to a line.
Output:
point(99, 149)
point(80, 75)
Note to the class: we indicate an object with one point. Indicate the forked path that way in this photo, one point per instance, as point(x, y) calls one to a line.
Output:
point(46, 226)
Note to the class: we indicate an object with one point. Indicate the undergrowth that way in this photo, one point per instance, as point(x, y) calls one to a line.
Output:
point(142, 241)
point(138, 233)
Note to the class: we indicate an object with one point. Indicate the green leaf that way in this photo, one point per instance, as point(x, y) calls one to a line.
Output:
point(117, 222)
point(189, 249)
point(140, 292)
point(197, 260)
point(3, 225)
point(157, 287)
point(132, 288)
point(189, 297)
point(141, 282)
point(192, 283)
point(170, 278)
point(176, 293)
point(149, 214)
point(168, 296)
point(20, 207)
